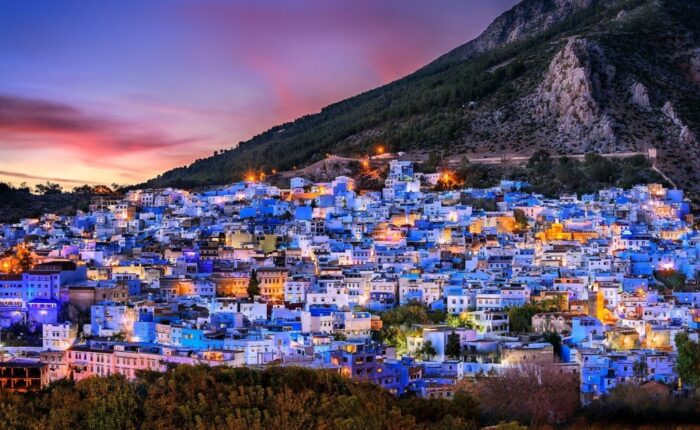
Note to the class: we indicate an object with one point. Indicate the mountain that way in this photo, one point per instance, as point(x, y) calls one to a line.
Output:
point(567, 76)
point(522, 21)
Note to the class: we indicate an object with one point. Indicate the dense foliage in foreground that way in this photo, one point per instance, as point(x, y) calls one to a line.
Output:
point(294, 398)
point(227, 398)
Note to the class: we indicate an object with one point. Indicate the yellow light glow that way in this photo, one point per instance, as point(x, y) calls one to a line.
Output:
point(380, 149)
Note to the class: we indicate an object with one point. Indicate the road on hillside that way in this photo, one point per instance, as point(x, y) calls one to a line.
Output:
point(520, 158)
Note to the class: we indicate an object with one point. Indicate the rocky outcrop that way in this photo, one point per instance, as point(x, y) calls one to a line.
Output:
point(685, 134)
point(639, 95)
point(574, 90)
point(670, 113)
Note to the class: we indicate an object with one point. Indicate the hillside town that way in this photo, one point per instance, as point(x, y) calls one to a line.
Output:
point(409, 287)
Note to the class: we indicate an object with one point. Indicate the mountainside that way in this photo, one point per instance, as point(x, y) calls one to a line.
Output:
point(568, 76)
point(520, 22)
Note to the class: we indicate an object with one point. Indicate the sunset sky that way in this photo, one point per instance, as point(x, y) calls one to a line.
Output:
point(119, 91)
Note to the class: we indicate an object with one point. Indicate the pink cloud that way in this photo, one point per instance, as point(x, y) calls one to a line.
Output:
point(65, 127)
point(203, 76)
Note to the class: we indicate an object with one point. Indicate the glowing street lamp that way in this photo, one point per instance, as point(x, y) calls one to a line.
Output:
point(380, 149)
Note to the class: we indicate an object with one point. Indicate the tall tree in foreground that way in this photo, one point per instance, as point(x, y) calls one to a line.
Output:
point(253, 284)
point(688, 363)
point(453, 349)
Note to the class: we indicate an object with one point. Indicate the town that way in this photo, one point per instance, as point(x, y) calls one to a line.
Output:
point(411, 288)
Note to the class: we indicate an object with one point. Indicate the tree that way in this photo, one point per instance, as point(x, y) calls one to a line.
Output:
point(453, 349)
point(540, 162)
point(599, 168)
point(688, 363)
point(25, 260)
point(461, 320)
point(253, 284)
point(520, 317)
point(83, 189)
point(552, 397)
point(555, 340)
point(640, 369)
point(671, 278)
point(433, 162)
point(48, 188)
point(521, 221)
point(428, 351)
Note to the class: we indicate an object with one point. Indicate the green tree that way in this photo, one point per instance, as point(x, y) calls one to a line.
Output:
point(555, 340)
point(453, 349)
point(520, 317)
point(671, 278)
point(457, 321)
point(541, 162)
point(428, 351)
point(688, 363)
point(48, 188)
point(253, 284)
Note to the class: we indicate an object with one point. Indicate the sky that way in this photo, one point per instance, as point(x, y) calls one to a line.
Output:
point(103, 92)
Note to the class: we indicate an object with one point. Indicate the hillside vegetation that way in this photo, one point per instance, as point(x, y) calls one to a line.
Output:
point(603, 76)
point(20, 202)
